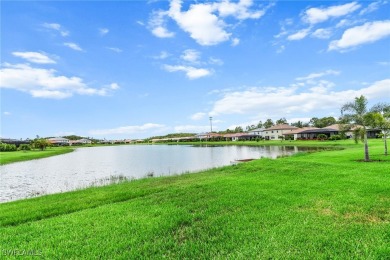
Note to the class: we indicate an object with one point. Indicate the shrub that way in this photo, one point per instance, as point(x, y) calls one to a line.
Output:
point(7, 147)
point(335, 137)
point(322, 137)
point(24, 147)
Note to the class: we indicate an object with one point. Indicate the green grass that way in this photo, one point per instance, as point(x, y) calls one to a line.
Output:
point(18, 156)
point(311, 205)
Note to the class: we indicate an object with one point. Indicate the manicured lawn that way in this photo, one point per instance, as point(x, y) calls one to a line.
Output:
point(17, 156)
point(315, 206)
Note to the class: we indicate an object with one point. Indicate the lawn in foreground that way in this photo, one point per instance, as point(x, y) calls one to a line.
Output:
point(318, 205)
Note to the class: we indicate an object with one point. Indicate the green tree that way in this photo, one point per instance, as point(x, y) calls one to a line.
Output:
point(356, 113)
point(41, 143)
point(238, 129)
point(259, 124)
point(281, 121)
point(381, 119)
point(268, 123)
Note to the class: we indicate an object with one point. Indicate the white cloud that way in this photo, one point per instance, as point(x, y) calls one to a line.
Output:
point(193, 128)
point(114, 86)
point(204, 22)
point(317, 15)
point(157, 25)
point(191, 55)
point(366, 33)
point(162, 56)
point(235, 41)
point(44, 83)
point(299, 35)
point(372, 7)
point(215, 61)
point(115, 49)
point(198, 116)
point(284, 101)
point(103, 31)
point(191, 72)
point(56, 27)
point(6, 113)
point(134, 129)
point(35, 57)
point(318, 75)
point(73, 46)
point(322, 33)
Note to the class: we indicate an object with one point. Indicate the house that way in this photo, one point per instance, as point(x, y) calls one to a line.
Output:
point(239, 136)
point(310, 133)
point(274, 132)
point(80, 141)
point(258, 132)
point(59, 141)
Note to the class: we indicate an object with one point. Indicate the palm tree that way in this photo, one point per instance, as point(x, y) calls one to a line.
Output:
point(356, 113)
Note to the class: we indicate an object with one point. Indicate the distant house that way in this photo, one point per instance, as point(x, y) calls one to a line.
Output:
point(274, 132)
point(59, 141)
point(80, 142)
point(258, 132)
point(239, 136)
point(309, 133)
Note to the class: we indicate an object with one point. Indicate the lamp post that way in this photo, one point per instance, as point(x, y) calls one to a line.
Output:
point(211, 124)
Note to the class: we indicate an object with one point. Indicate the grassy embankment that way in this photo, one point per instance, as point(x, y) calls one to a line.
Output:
point(18, 156)
point(316, 206)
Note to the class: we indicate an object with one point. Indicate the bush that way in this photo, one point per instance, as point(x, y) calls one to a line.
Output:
point(24, 147)
point(335, 137)
point(7, 147)
point(322, 137)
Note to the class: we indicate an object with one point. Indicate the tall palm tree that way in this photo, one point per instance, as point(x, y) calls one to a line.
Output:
point(355, 113)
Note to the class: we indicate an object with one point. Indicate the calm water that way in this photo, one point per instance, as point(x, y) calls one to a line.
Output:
point(91, 166)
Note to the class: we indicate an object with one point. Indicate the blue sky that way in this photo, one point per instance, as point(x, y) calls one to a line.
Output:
point(134, 69)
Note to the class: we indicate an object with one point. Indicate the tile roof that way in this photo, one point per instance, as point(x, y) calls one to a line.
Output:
point(281, 127)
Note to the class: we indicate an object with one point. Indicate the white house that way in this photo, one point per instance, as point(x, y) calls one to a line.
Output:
point(59, 141)
point(275, 131)
point(258, 132)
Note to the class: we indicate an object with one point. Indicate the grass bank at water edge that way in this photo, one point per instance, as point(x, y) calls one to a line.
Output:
point(18, 156)
point(316, 206)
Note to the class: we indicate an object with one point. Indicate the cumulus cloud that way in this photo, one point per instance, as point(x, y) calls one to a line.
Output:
point(317, 15)
point(299, 35)
point(235, 41)
point(198, 116)
point(191, 55)
point(44, 83)
point(322, 33)
point(35, 57)
point(73, 46)
point(363, 34)
point(56, 27)
point(288, 100)
point(132, 129)
point(204, 22)
point(157, 25)
point(191, 72)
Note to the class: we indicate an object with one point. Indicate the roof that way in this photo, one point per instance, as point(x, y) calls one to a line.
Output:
point(282, 127)
point(257, 130)
point(58, 139)
point(300, 130)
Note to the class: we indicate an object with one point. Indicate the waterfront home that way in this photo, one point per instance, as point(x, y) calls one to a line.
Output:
point(240, 137)
point(277, 131)
point(310, 133)
point(59, 141)
point(258, 132)
point(80, 142)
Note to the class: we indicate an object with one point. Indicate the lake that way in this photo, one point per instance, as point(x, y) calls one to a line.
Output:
point(100, 165)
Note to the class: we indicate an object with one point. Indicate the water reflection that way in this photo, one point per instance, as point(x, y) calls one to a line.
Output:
point(88, 166)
